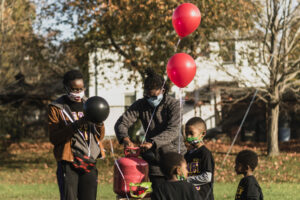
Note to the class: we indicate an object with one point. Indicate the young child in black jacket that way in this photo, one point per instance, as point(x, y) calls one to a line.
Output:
point(174, 168)
point(248, 189)
point(200, 161)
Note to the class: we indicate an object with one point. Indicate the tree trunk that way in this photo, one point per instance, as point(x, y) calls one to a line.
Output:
point(273, 115)
point(1, 30)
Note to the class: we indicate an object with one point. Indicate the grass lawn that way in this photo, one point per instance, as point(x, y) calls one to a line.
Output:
point(27, 172)
point(273, 191)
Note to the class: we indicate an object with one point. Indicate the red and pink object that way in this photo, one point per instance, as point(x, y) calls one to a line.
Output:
point(134, 170)
point(181, 69)
point(186, 19)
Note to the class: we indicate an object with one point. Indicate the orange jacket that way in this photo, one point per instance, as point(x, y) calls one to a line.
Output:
point(61, 132)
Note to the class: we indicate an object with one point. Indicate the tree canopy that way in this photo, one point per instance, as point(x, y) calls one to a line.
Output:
point(274, 59)
point(142, 33)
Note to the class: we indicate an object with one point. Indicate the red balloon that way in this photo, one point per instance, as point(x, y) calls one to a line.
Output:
point(181, 69)
point(186, 19)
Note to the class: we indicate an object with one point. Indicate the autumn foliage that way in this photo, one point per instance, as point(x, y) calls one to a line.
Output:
point(142, 33)
point(35, 161)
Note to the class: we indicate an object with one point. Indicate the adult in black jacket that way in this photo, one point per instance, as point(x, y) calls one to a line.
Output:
point(163, 131)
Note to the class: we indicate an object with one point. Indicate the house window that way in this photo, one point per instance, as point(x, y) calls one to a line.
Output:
point(129, 99)
point(227, 51)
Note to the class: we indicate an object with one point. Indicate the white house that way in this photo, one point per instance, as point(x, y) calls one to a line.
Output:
point(109, 80)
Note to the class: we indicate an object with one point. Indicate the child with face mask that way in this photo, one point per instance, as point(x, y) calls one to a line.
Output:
point(199, 159)
point(77, 142)
point(174, 168)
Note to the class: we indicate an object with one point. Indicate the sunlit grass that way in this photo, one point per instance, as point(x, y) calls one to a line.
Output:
point(272, 191)
point(29, 172)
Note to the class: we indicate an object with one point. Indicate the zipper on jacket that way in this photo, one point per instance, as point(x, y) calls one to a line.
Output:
point(72, 121)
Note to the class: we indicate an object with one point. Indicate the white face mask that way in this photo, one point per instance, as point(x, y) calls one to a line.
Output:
point(76, 96)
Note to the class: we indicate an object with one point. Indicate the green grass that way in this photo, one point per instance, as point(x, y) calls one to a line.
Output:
point(27, 172)
point(222, 191)
point(29, 191)
point(45, 192)
point(272, 191)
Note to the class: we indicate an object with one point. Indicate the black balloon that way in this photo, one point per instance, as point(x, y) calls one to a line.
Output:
point(96, 109)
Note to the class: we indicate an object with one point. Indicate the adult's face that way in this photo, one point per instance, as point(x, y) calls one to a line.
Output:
point(153, 93)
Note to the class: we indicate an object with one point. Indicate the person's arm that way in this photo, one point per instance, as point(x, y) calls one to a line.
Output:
point(125, 121)
point(173, 126)
point(205, 168)
point(253, 192)
point(58, 133)
point(200, 179)
point(100, 130)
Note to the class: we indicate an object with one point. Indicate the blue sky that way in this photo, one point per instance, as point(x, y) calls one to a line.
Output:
point(66, 30)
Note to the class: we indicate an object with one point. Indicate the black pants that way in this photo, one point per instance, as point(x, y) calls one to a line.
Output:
point(157, 180)
point(75, 185)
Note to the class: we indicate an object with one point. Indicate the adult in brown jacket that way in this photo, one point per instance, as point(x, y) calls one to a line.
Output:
point(163, 131)
point(77, 142)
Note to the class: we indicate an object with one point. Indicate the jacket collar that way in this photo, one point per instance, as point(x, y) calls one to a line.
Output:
point(60, 102)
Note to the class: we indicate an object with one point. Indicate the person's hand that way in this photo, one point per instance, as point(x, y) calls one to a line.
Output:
point(146, 146)
point(127, 142)
point(78, 124)
point(100, 124)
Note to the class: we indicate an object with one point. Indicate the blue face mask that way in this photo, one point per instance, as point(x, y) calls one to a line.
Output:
point(154, 101)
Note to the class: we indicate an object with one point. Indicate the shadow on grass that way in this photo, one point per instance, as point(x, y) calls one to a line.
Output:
point(23, 161)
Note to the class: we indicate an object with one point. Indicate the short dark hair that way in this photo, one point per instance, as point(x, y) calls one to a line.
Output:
point(195, 121)
point(71, 76)
point(247, 157)
point(168, 163)
point(154, 81)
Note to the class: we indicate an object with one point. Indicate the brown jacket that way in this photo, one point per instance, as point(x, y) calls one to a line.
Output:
point(62, 134)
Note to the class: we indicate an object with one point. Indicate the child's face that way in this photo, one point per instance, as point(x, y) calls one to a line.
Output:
point(195, 131)
point(184, 169)
point(239, 168)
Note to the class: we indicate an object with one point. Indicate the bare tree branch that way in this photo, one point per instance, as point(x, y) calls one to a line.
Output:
point(2, 15)
point(262, 98)
point(290, 85)
point(109, 34)
point(244, 97)
point(295, 63)
point(294, 41)
point(295, 90)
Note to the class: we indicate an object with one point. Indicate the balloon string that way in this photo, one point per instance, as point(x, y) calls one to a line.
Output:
point(149, 125)
point(146, 132)
point(240, 127)
point(180, 103)
point(177, 44)
point(235, 137)
point(180, 114)
point(117, 164)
